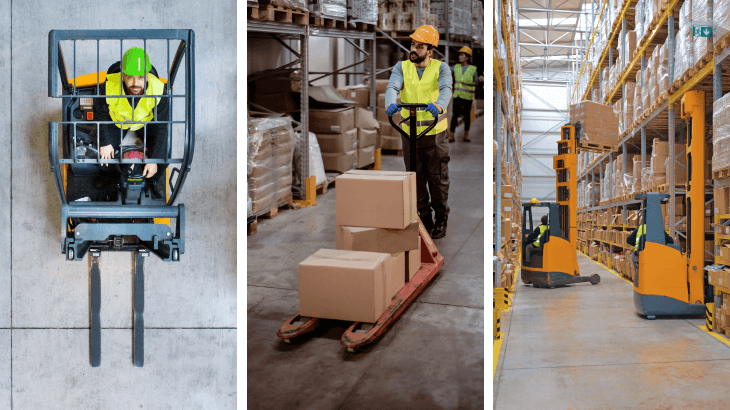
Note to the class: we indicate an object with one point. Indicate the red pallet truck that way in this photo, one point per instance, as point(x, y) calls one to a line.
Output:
point(360, 334)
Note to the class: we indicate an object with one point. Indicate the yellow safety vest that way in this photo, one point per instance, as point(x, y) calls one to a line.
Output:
point(423, 91)
point(121, 110)
point(464, 87)
point(543, 228)
point(640, 232)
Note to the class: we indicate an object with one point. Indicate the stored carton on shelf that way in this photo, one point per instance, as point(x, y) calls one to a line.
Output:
point(332, 121)
point(365, 120)
point(340, 162)
point(366, 138)
point(391, 143)
point(360, 94)
point(338, 143)
point(381, 199)
point(346, 285)
point(599, 124)
point(365, 156)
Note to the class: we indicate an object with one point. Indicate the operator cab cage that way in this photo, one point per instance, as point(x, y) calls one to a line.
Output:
point(528, 226)
point(125, 217)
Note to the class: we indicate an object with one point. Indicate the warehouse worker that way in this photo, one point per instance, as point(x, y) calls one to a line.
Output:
point(634, 238)
point(466, 79)
point(129, 78)
point(423, 80)
point(535, 236)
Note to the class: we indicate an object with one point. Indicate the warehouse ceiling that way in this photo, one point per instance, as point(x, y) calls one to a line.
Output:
point(551, 34)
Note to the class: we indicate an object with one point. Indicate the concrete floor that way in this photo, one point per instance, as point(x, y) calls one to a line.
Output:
point(585, 347)
point(431, 358)
point(190, 307)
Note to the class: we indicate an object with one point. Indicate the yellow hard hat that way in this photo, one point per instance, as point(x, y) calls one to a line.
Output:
point(465, 50)
point(426, 34)
point(534, 201)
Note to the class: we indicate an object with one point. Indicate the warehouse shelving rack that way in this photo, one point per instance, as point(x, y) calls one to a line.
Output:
point(302, 33)
point(659, 116)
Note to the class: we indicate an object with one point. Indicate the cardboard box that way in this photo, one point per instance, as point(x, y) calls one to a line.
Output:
point(507, 191)
point(386, 129)
point(721, 201)
point(391, 143)
point(395, 277)
point(333, 121)
point(725, 253)
point(360, 94)
point(365, 156)
point(364, 119)
point(599, 124)
point(345, 285)
point(365, 239)
point(380, 108)
point(338, 143)
point(366, 138)
point(413, 262)
point(379, 199)
point(340, 162)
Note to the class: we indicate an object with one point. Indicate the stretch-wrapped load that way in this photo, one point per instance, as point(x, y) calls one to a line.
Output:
point(683, 43)
point(364, 11)
point(269, 167)
point(720, 20)
point(701, 11)
point(721, 133)
point(329, 8)
point(637, 99)
point(300, 5)
point(639, 21)
point(646, 85)
point(628, 108)
point(662, 70)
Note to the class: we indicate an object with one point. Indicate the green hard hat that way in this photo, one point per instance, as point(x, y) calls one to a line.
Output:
point(136, 62)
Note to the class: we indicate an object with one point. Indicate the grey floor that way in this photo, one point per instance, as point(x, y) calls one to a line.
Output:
point(431, 358)
point(585, 347)
point(190, 306)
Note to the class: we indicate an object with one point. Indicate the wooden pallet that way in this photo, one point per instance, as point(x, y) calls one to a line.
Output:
point(721, 174)
point(360, 26)
point(252, 227)
point(278, 14)
point(722, 44)
point(589, 146)
point(275, 211)
point(322, 188)
point(327, 22)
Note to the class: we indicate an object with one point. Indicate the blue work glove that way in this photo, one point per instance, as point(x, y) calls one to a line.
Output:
point(433, 109)
point(391, 110)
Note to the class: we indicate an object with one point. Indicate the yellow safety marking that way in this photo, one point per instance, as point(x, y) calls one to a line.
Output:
point(497, 349)
point(715, 335)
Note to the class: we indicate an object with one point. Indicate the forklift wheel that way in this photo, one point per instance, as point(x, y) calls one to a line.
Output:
point(595, 279)
point(175, 255)
point(70, 254)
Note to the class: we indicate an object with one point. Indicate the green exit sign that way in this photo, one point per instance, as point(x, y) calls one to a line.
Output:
point(702, 31)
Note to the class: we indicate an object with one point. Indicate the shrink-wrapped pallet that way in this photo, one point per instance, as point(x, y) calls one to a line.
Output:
point(683, 48)
point(646, 85)
point(662, 70)
point(300, 5)
point(329, 8)
point(701, 11)
point(721, 134)
point(720, 20)
point(637, 101)
point(386, 21)
point(639, 21)
point(403, 21)
point(271, 147)
point(617, 109)
point(363, 11)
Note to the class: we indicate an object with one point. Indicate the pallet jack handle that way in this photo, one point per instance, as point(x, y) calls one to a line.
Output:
point(412, 138)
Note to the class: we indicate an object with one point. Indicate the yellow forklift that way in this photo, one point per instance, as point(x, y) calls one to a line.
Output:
point(555, 262)
point(669, 281)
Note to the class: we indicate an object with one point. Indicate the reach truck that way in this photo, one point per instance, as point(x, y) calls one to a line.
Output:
point(360, 334)
point(109, 208)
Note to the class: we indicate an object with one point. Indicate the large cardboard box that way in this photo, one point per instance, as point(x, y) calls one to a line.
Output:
point(340, 162)
point(346, 285)
point(395, 276)
point(413, 262)
point(722, 200)
point(333, 121)
point(356, 238)
point(380, 108)
point(365, 156)
point(379, 199)
point(366, 138)
point(391, 143)
point(387, 129)
point(599, 124)
point(364, 119)
point(337, 143)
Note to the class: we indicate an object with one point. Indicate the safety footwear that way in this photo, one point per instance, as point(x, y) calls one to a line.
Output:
point(451, 137)
point(466, 136)
point(439, 230)
point(427, 220)
point(157, 189)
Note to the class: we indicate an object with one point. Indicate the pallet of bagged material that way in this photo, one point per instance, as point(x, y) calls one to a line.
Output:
point(272, 213)
point(278, 14)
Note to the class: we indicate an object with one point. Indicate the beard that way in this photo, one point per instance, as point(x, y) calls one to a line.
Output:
point(416, 59)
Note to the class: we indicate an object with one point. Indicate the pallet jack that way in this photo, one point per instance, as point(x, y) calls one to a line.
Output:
point(358, 335)
point(111, 208)
point(555, 263)
point(670, 282)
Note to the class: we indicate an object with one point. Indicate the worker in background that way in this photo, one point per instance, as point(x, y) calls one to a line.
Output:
point(129, 78)
point(535, 236)
point(634, 238)
point(424, 80)
point(466, 79)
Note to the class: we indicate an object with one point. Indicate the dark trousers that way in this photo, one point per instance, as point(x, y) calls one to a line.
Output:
point(432, 173)
point(529, 250)
point(635, 260)
point(462, 108)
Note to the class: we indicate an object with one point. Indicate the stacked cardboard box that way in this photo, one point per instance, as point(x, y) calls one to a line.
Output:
point(337, 137)
point(720, 20)
point(269, 167)
point(378, 249)
point(599, 124)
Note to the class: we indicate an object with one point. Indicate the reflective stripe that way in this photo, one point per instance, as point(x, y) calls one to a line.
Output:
point(464, 86)
point(121, 110)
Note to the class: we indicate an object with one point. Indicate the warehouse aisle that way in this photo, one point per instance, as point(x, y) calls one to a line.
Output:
point(431, 358)
point(585, 347)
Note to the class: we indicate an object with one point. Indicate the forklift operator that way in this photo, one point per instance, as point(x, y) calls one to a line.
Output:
point(128, 78)
point(424, 80)
point(633, 240)
point(534, 237)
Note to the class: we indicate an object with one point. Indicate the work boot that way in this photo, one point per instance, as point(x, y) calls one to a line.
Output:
point(439, 230)
point(466, 136)
point(451, 137)
point(158, 190)
point(427, 220)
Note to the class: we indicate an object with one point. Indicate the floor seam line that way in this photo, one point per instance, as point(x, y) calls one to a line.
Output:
point(446, 304)
point(269, 287)
point(465, 241)
point(618, 364)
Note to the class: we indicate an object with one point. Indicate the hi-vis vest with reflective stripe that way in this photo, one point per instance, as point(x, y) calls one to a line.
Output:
point(423, 91)
point(640, 232)
point(120, 108)
point(543, 228)
point(464, 87)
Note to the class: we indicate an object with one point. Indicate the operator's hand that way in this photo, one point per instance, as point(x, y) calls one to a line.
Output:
point(434, 110)
point(149, 170)
point(106, 152)
point(481, 78)
point(391, 110)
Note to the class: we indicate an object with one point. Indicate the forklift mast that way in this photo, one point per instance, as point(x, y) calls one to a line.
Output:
point(566, 183)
